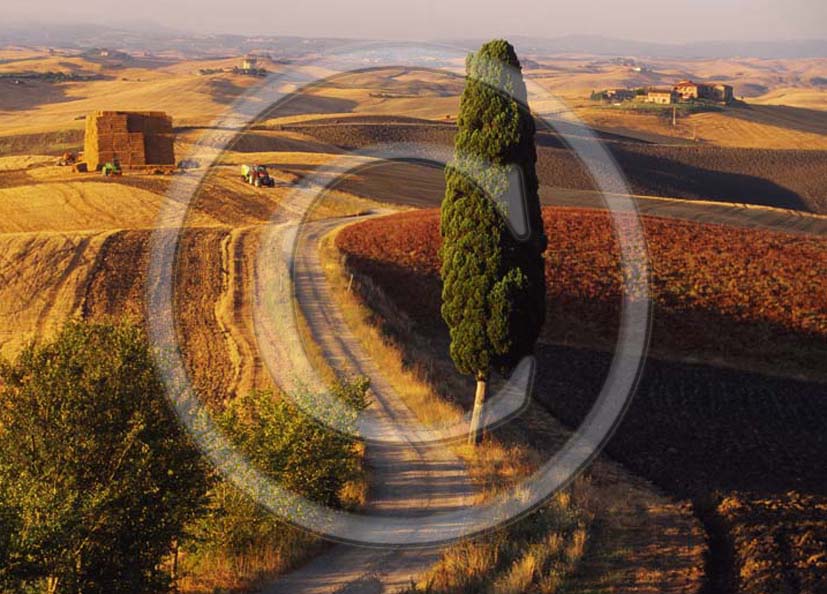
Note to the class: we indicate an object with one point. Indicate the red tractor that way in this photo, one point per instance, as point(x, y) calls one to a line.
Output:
point(257, 176)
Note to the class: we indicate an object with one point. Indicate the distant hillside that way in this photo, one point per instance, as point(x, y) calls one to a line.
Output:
point(594, 44)
point(158, 38)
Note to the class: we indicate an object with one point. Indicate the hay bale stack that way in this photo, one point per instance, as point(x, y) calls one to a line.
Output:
point(135, 139)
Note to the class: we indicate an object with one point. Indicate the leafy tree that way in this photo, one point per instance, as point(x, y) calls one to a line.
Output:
point(493, 297)
point(97, 477)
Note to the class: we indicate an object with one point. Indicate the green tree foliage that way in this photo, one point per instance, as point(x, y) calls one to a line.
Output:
point(493, 297)
point(97, 478)
point(288, 446)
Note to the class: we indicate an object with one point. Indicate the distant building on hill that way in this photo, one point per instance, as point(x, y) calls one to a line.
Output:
point(250, 66)
point(689, 90)
point(722, 93)
point(134, 139)
point(660, 96)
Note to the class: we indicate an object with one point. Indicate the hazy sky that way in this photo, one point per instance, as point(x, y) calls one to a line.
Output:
point(652, 20)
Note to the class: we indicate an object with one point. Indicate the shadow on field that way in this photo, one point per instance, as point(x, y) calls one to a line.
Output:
point(697, 429)
point(792, 179)
point(224, 91)
point(660, 175)
point(811, 121)
point(30, 93)
point(694, 429)
point(304, 104)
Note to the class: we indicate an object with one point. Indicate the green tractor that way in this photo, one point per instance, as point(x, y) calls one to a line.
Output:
point(257, 176)
point(111, 168)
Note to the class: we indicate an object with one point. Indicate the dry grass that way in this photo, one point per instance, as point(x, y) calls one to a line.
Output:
point(408, 380)
point(185, 95)
point(81, 206)
point(536, 554)
point(808, 97)
point(758, 126)
point(219, 571)
point(24, 162)
point(43, 279)
point(336, 204)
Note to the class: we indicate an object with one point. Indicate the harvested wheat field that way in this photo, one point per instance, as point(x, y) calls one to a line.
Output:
point(748, 126)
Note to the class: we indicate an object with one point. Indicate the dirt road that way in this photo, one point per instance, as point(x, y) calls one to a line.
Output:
point(407, 479)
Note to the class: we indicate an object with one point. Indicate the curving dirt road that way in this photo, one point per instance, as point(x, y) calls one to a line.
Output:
point(408, 479)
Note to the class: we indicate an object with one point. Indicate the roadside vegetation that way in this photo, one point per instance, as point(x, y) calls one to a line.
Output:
point(235, 544)
point(537, 554)
point(543, 546)
point(97, 479)
point(103, 491)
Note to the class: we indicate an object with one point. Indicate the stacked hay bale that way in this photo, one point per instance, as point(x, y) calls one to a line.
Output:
point(99, 143)
point(135, 139)
point(159, 139)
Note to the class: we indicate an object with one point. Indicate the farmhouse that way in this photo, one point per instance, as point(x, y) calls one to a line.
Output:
point(689, 90)
point(660, 96)
point(134, 139)
point(249, 62)
point(722, 93)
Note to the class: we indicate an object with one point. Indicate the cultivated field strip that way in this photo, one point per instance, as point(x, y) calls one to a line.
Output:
point(791, 179)
point(730, 408)
point(49, 278)
point(43, 282)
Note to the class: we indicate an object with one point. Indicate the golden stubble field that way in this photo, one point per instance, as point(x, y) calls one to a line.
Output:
point(77, 245)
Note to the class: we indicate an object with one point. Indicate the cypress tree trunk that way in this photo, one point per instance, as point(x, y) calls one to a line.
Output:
point(474, 433)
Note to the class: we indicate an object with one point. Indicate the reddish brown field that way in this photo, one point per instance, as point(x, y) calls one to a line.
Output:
point(721, 416)
point(704, 278)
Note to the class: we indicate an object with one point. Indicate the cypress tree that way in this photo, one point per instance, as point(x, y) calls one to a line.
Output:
point(493, 297)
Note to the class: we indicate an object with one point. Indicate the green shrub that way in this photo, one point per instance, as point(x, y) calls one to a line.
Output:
point(288, 446)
